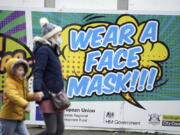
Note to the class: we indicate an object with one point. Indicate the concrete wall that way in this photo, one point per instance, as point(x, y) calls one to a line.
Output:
point(147, 5)
point(87, 4)
point(155, 5)
point(22, 3)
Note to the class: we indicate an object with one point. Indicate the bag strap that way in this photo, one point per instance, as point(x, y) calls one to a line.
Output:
point(46, 88)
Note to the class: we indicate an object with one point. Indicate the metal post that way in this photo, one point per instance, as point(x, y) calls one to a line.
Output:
point(122, 4)
point(49, 3)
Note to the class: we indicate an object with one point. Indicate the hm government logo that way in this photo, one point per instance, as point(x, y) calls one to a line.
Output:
point(154, 119)
point(109, 115)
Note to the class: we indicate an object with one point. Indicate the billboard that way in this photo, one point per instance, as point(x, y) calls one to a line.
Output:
point(120, 70)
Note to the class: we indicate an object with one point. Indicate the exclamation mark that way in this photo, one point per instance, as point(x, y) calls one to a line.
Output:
point(142, 79)
point(151, 78)
point(134, 80)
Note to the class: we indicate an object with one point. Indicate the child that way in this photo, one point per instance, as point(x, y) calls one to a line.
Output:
point(16, 98)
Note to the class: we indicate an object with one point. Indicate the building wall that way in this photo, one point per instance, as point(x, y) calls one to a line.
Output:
point(22, 3)
point(155, 5)
point(87, 4)
point(146, 5)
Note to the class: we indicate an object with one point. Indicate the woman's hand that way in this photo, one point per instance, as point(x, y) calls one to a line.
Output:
point(38, 96)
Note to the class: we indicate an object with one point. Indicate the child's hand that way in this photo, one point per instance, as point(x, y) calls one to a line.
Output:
point(38, 96)
point(27, 109)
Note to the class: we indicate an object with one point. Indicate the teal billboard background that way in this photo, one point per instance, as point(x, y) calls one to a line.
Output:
point(168, 87)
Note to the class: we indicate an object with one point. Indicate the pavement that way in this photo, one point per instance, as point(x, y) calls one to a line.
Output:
point(34, 130)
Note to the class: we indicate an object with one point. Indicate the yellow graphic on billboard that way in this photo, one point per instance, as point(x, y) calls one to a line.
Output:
point(12, 48)
point(104, 58)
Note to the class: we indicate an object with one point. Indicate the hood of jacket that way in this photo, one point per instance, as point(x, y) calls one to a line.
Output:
point(39, 41)
point(11, 66)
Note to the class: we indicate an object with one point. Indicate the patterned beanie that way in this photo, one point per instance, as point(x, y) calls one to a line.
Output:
point(49, 29)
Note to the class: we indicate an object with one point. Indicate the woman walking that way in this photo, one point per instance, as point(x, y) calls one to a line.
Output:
point(48, 76)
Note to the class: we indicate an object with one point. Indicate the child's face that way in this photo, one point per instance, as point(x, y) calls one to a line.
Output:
point(20, 72)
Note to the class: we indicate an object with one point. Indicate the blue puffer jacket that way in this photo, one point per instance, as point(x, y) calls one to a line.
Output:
point(47, 70)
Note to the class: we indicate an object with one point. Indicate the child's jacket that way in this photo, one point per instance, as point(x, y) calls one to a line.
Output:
point(16, 96)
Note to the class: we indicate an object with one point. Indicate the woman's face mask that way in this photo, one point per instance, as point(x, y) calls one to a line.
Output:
point(58, 41)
